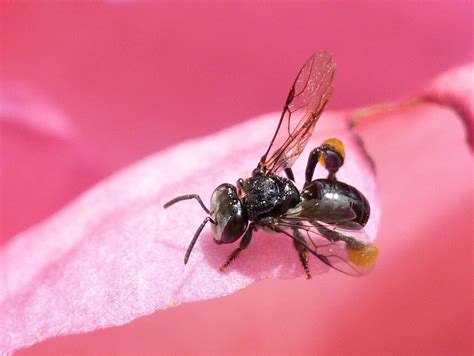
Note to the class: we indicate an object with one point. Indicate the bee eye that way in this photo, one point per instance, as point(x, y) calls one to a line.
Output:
point(229, 214)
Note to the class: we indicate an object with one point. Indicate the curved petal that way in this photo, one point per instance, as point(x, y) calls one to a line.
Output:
point(44, 163)
point(455, 89)
point(419, 290)
point(115, 254)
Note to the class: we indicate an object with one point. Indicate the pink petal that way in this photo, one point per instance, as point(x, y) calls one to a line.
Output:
point(455, 89)
point(44, 163)
point(418, 300)
point(26, 107)
point(115, 254)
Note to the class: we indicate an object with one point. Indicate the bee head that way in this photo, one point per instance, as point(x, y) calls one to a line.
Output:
point(228, 213)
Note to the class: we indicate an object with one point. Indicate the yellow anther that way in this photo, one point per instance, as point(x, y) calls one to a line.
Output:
point(363, 257)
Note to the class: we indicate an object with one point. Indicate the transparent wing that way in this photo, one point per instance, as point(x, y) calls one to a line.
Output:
point(307, 99)
point(346, 250)
point(325, 210)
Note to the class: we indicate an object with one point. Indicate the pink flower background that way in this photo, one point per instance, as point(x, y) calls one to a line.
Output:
point(90, 88)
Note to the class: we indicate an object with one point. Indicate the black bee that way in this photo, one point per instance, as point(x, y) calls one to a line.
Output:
point(325, 218)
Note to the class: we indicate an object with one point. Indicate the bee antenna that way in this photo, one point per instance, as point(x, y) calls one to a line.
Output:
point(195, 237)
point(186, 197)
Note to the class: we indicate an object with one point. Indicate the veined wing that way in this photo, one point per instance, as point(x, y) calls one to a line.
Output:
point(308, 96)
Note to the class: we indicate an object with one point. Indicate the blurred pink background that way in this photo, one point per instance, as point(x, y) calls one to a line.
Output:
point(130, 79)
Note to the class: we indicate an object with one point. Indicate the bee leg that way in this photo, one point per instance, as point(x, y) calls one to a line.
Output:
point(331, 156)
point(337, 236)
point(243, 245)
point(302, 252)
point(289, 174)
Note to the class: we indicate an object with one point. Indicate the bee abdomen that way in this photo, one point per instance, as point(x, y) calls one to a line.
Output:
point(345, 194)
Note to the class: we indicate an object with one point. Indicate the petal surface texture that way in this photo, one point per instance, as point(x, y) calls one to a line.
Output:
point(115, 254)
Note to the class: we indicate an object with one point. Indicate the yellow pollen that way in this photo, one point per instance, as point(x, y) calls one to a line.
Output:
point(337, 145)
point(364, 257)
